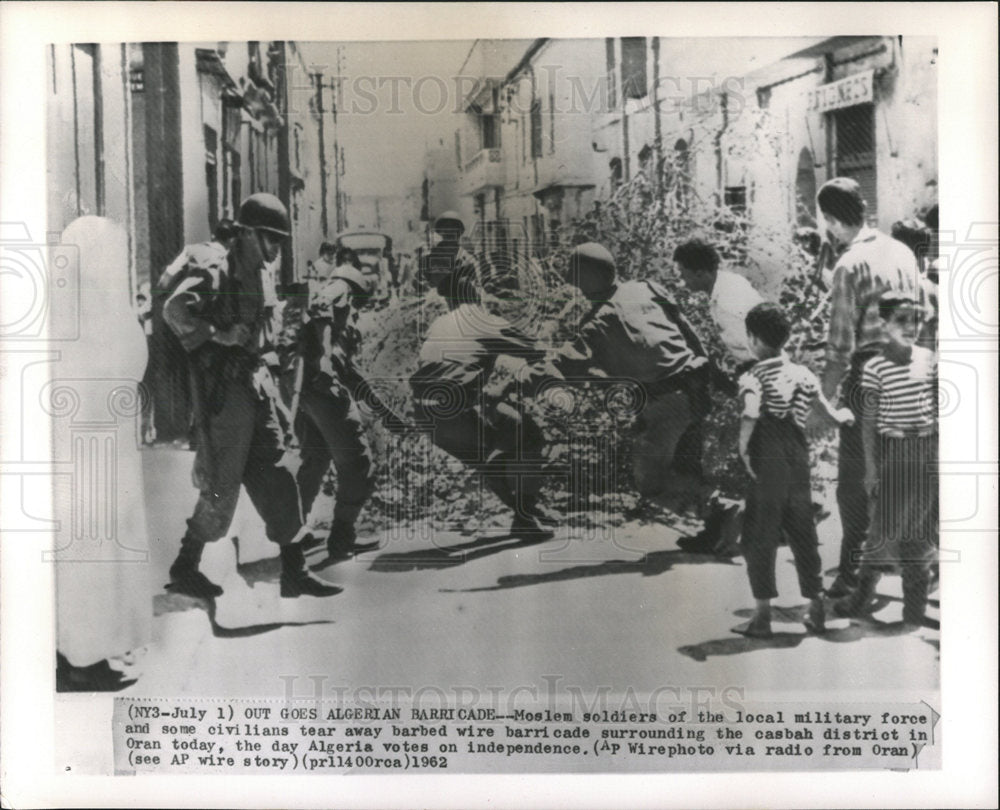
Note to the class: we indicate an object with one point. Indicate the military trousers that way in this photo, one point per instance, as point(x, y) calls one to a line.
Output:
point(330, 429)
point(503, 444)
point(667, 444)
point(240, 443)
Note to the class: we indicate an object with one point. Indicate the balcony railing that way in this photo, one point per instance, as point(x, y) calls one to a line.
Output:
point(483, 156)
point(484, 169)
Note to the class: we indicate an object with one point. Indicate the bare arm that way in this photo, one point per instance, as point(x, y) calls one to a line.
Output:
point(747, 425)
point(842, 416)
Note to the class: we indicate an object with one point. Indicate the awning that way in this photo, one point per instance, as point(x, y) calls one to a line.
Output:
point(572, 183)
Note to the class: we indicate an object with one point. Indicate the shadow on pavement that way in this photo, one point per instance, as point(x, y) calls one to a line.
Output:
point(859, 628)
point(178, 603)
point(651, 564)
point(449, 556)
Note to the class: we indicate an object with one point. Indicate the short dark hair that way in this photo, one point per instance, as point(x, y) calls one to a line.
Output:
point(915, 235)
point(697, 255)
point(768, 323)
point(841, 198)
point(327, 247)
point(226, 229)
point(346, 255)
point(890, 301)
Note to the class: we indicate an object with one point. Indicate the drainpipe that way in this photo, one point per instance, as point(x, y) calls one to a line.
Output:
point(324, 214)
point(534, 91)
point(657, 126)
point(625, 155)
point(719, 163)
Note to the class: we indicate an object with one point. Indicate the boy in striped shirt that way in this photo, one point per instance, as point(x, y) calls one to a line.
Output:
point(899, 431)
point(777, 397)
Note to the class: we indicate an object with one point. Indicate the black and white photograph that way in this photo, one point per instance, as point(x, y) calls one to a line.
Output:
point(427, 397)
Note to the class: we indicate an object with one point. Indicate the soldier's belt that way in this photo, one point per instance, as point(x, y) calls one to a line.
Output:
point(678, 382)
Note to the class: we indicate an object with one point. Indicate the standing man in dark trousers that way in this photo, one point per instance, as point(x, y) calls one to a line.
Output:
point(224, 317)
point(871, 264)
point(329, 421)
point(494, 436)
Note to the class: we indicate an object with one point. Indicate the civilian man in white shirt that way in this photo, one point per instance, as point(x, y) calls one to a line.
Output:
point(730, 295)
point(730, 298)
point(325, 263)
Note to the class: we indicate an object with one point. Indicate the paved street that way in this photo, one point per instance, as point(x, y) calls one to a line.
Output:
point(469, 608)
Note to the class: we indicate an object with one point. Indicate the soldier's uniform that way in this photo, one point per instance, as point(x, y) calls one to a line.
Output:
point(493, 435)
point(329, 422)
point(240, 441)
point(634, 331)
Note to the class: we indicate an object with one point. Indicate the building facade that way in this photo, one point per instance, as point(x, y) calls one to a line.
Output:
point(168, 139)
point(553, 126)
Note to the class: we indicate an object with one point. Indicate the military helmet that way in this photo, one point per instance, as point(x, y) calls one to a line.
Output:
point(591, 268)
point(265, 211)
point(449, 222)
point(361, 283)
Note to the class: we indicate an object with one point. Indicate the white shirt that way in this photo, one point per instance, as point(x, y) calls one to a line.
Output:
point(731, 299)
point(323, 269)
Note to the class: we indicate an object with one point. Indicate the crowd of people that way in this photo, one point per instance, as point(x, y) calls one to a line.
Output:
point(262, 368)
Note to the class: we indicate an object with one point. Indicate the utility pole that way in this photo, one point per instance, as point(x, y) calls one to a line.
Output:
point(336, 151)
point(318, 77)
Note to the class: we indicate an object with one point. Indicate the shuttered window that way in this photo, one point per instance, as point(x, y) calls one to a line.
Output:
point(854, 153)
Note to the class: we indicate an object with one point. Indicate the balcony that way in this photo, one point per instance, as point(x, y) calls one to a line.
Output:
point(484, 170)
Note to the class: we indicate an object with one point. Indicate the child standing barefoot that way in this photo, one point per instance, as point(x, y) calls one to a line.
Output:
point(777, 397)
point(899, 430)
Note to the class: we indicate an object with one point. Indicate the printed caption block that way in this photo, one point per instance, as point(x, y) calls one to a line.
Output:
point(272, 737)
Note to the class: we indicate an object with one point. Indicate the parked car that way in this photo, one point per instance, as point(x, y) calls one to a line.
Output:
point(374, 251)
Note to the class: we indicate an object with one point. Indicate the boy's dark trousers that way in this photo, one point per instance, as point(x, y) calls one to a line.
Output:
point(853, 501)
point(780, 499)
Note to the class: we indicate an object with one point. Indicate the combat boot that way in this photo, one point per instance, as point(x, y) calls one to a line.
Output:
point(859, 602)
point(529, 527)
point(185, 578)
point(342, 543)
point(296, 579)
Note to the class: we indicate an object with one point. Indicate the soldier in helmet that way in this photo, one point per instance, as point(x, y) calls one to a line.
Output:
point(223, 315)
point(447, 254)
point(329, 422)
point(633, 330)
point(492, 435)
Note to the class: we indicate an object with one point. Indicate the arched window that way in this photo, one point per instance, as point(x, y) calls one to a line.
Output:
point(805, 190)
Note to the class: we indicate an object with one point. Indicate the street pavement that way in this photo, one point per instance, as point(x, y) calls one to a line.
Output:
point(456, 607)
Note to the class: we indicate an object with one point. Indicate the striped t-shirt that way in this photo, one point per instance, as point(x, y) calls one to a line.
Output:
point(905, 393)
point(780, 388)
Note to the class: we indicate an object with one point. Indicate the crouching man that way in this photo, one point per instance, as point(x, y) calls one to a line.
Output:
point(633, 330)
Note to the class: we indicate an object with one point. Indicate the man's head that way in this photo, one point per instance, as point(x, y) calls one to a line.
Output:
point(698, 263)
point(767, 329)
point(225, 232)
point(362, 286)
point(449, 226)
point(842, 206)
point(592, 270)
point(267, 216)
point(901, 316)
point(347, 256)
point(327, 251)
